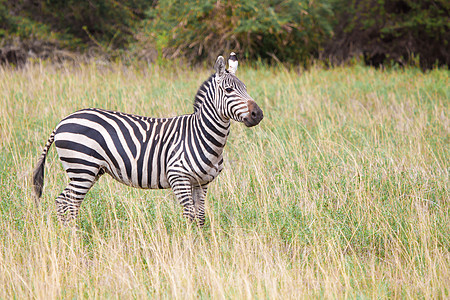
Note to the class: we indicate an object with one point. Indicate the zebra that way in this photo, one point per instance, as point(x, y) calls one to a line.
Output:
point(184, 153)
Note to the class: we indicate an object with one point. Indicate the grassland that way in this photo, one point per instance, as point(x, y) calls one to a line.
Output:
point(341, 192)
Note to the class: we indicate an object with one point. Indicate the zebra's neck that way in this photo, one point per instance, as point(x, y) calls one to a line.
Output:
point(212, 133)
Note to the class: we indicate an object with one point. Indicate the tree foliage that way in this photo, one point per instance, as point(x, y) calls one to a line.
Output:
point(74, 24)
point(292, 31)
point(392, 30)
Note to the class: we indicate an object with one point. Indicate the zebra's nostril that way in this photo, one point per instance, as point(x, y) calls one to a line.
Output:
point(255, 114)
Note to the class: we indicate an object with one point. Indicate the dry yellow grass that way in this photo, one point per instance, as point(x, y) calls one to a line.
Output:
point(341, 192)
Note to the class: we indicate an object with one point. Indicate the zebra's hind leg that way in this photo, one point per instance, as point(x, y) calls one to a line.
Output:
point(199, 196)
point(69, 201)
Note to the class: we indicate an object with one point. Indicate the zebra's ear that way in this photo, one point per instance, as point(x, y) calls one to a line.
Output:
point(232, 63)
point(220, 68)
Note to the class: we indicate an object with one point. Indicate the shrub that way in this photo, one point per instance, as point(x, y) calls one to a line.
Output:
point(290, 31)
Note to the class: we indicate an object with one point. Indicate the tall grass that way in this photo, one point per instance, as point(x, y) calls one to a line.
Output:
point(340, 192)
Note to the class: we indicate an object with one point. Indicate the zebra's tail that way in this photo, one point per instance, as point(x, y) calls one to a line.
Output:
point(38, 173)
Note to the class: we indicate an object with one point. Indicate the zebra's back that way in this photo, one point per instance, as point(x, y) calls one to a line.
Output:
point(132, 149)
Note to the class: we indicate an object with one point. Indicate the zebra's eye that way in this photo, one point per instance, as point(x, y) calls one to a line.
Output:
point(229, 90)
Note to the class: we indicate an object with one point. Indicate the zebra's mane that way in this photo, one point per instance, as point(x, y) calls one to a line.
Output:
point(202, 93)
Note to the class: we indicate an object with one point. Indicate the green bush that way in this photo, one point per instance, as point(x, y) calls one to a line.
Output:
point(289, 31)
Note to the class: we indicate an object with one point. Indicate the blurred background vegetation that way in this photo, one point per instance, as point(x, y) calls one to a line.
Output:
point(381, 32)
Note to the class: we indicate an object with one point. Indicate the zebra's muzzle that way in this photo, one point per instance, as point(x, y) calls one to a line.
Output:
point(255, 114)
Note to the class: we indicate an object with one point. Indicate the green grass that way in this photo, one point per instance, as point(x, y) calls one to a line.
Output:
point(340, 192)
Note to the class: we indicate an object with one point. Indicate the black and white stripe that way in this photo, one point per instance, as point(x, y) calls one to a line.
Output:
point(184, 153)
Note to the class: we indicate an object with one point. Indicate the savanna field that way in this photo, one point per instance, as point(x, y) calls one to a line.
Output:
point(342, 191)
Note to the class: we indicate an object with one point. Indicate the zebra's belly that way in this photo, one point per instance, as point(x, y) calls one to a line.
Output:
point(160, 183)
point(144, 179)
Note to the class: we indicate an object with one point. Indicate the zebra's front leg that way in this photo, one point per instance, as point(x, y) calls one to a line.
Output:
point(183, 190)
point(199, 196)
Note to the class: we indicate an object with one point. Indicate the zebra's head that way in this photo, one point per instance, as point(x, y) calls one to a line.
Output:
point(231, 98)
